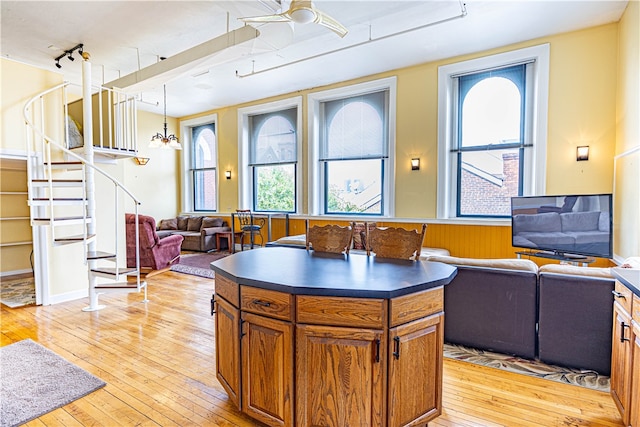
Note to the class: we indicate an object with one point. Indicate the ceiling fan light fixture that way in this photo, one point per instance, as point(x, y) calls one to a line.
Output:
point(302, 16)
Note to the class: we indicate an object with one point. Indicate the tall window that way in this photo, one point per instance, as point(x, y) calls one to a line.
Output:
point(273, 160)
point(491, 132)
point(354, 152)
point(203, 167)
point(490, 140)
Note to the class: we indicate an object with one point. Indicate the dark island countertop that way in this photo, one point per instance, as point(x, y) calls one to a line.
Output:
point(630, 277)
point(302, 272)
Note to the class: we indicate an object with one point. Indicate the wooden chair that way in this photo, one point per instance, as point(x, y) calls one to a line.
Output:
point(249, 225)
point(391, 242)
point(330, 238)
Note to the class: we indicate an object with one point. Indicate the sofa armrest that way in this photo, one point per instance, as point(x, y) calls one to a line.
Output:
point(213, 230)
point(174, 239)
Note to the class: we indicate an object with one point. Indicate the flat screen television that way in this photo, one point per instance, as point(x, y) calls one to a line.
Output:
point(569, 226)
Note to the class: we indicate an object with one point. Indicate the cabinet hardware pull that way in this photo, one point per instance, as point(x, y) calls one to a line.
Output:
point(396, 347)
point(622, 327)
point(618, 294)
point(213, 304)
point(262, 303)
point(242, 333)
point(377, 350)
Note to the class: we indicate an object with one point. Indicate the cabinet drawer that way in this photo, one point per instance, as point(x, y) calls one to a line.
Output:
point(263, 301)
point(636, 309)
point(623, 296)
point(415, 306)
point(337, 311)
point(227, 289)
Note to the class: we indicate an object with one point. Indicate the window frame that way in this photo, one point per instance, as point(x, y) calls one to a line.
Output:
point(537, 87)
point(186, 172)
point(246, 184)
point(316, 187)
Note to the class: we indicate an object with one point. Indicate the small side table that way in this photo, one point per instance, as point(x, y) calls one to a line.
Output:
point(227, 235)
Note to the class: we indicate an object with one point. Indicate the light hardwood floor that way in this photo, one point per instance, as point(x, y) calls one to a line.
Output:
point(158, 361)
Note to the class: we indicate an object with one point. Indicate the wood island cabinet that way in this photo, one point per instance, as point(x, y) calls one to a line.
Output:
point(345, 352)
point(336, 341)
point(625, 356)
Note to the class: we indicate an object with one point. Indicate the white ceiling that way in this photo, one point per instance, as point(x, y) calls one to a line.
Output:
point(126, 36)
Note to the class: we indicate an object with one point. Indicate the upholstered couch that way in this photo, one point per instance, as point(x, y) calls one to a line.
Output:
point(559, 314)
point(199, 232)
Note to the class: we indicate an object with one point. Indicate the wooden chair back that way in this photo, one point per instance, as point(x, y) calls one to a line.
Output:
point(398, 243)
point(329, 238)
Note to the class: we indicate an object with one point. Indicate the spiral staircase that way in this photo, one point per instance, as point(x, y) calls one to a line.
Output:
point(62, 172)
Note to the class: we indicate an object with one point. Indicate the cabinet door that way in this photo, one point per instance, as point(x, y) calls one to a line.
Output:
point(267, 369)
point(415, 367)
point(340, 376)
point(621, 361)
point(228, 348)
point(634, 402)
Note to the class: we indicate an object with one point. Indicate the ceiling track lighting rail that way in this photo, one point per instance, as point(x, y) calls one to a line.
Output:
point(69, 54)
point(463, 13)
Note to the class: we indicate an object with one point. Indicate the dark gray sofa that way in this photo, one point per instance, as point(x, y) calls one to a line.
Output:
point(492, 305)
point(558, 314)
point(575, 317)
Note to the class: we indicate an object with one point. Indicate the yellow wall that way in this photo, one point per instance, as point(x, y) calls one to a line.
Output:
point(157, 184)
point(582, 108)
point(627, 149)
point(15, 96)
point(582, 111)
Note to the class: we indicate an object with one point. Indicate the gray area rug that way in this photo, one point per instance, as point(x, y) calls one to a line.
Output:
point(198, 264)
point(35, 381)
point(534, 368)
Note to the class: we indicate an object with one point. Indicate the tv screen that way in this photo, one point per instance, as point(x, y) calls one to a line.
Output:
point(563, 225)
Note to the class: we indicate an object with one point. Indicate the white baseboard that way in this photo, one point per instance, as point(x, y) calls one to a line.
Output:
point(70, 296)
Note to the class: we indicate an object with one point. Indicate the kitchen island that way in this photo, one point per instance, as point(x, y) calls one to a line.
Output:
point(306, 338)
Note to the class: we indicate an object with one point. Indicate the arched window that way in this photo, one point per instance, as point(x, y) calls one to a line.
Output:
point(490, 140)
point(353, 152)
point(273, 160)
point(203, 167)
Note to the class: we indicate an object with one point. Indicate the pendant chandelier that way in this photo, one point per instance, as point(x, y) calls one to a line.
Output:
point(163, 141)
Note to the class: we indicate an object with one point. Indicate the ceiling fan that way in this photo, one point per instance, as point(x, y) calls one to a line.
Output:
point(302, 12)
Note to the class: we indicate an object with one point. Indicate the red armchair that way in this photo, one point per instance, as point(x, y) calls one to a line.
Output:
point(155, 253)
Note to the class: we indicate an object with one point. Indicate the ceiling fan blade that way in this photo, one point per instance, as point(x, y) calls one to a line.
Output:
point(327, 21)
point(281, 17)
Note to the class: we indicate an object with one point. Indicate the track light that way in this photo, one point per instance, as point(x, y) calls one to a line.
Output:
point(69, 54)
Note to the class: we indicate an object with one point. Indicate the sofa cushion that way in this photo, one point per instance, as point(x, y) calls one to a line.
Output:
point(208, 222)
point(194, 223)
point(509, 264)
point(182, 222)
point(575, 270)
point(168, 224)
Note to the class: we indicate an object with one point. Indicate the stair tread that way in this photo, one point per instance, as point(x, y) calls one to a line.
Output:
point(119, 285)
point(64, 163)
point(99, 255)
point(113, 270)
point(77, 237)
point(58, 199)
point(56, 180)
point(62, 218)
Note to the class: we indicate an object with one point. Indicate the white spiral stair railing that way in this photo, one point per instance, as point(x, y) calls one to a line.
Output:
point(61, 182)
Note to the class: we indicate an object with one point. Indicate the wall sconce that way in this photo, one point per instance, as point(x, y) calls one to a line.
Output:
point(227, 174)
point(141, 160)
point(582, 153)
point(415, 164)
